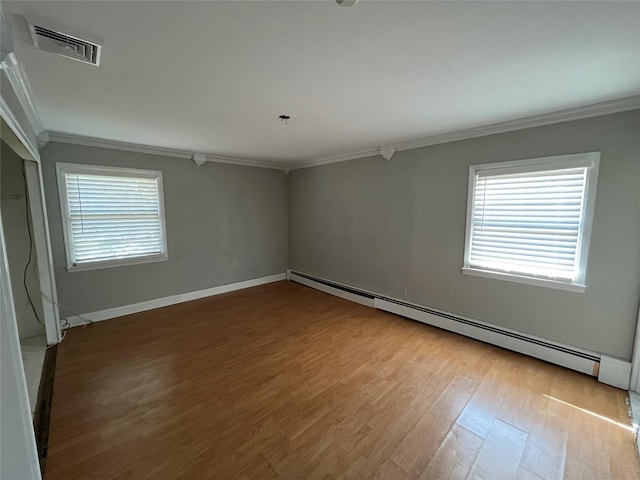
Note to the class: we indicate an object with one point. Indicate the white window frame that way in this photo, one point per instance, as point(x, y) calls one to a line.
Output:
point(75, 168)
point(590, 160)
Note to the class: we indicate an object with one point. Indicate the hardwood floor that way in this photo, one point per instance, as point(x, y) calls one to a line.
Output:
point(284, 382)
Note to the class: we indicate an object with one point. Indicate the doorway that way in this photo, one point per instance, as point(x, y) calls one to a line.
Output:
point(23, 267)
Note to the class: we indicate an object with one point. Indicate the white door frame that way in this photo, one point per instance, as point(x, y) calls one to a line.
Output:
point(18, 451)
point(18, 140)
point(41, 238)
point(635, 361)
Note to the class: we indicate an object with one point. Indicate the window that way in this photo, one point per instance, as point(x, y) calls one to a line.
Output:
point(111, 216)
point(529, 221)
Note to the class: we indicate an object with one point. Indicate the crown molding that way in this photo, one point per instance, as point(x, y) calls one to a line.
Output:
point(577, 113)
point(335, 159)
point(15, 126)
point(592, 110)
point(115, 145)
point(22, 89)
point(153, 150)
point(248, 163)
point(586, 111)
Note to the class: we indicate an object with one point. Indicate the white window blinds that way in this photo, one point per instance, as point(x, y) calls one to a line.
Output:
point(112, 216)
point(529, 220)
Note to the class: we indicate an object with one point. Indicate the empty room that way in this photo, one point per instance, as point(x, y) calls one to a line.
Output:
point(324, 239)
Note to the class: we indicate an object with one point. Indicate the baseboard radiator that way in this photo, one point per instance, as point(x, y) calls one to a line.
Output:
point(552, 352)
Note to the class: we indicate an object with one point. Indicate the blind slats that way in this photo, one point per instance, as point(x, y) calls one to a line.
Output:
point(113, 217)
point(528, 223)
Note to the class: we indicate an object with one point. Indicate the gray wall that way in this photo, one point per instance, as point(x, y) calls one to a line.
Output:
point(14, 219)
point(225, 224)
point(387, 225)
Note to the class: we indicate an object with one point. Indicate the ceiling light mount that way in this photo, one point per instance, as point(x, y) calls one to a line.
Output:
point(346, 3)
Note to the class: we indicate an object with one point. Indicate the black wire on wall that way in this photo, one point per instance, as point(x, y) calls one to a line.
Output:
point(26, 267)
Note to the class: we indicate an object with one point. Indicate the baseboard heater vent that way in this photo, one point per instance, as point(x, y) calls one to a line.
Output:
point(333, 288)
point(553, 352)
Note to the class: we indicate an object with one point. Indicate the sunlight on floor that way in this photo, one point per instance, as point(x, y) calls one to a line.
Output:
point(601, 417)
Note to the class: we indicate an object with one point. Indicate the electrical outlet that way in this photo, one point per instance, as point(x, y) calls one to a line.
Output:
point(403, 292)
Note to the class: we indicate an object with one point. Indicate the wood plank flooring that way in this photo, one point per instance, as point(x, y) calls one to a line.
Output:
point(284, 382)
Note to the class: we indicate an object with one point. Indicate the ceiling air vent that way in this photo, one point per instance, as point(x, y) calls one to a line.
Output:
point(66, 45)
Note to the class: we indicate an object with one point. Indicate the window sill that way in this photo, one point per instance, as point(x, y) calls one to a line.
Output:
point(116, 263)
point(540, 282)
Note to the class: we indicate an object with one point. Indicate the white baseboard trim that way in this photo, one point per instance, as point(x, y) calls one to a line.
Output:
point(109, 313)
point(553, 352)
point(500, 338)
point(614, 372)
point(635, 365)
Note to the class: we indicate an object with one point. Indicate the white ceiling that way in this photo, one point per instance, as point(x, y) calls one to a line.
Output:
point(213, 77)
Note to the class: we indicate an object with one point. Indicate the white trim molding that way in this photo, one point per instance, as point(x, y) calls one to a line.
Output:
point(22, 89)
point(109, 313)
point(614, 372)
point(543, 349)
point(335, 159)
point(577, 113)
point(593, 110)
point(44, 257)
point(539, 282)
point(17, 107)
point(635, 361)
point(9, 117)
point(551, 351)
point(18, 453)
point(154, 150)
point(19, 113)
